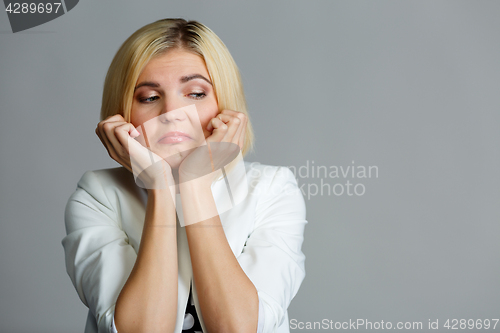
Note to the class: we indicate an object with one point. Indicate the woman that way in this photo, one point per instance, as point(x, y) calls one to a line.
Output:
point(154, 246)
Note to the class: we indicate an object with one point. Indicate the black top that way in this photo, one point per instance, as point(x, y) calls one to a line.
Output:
point(191, 321)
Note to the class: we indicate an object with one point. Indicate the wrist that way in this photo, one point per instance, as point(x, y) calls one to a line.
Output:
point(199, 182)
point(198, 203)
point(165, 195)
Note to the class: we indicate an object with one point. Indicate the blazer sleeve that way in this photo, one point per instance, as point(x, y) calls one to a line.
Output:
point(272, 256)
point(99, 258)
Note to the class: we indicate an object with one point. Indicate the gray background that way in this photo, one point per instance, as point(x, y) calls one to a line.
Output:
point(409, 86)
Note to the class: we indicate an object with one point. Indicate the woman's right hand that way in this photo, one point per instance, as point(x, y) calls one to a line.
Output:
point(118, 137)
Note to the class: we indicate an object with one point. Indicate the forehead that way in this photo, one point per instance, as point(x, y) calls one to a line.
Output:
point(174, 63)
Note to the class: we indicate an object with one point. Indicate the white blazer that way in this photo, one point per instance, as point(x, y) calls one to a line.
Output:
point(104, 220)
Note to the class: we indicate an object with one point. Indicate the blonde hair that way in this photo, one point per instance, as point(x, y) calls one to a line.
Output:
point(156, 38)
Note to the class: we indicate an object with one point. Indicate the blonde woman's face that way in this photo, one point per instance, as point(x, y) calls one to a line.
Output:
point(173, 103)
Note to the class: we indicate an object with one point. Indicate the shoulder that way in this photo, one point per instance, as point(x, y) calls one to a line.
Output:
point(106, 187)
point(115, 177)
point(274, 187)
point(97, 181)
point(267, 176)
point(266, 173)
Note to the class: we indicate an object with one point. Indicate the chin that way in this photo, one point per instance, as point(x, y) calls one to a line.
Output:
point(175, 160)
point(175, 154)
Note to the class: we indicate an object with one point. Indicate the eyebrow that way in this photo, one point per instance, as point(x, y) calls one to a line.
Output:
point(147, 84)
point(187, 78)
point(183, 79)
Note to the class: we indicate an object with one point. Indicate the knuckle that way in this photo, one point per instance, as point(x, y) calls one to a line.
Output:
point(115, 116)
point(107, 126)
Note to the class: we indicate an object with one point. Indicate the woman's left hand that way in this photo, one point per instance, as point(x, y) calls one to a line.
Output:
point(227, 127)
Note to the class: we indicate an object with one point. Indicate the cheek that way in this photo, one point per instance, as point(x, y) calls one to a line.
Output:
point(205, 118)
point(138, 118)
point(204, 123)
point(135, 117)
point(139, 113)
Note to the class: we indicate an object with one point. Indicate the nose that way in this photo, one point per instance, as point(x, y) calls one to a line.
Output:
point(172, 111)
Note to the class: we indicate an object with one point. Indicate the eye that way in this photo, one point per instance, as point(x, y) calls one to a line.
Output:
point(148, 99)
point(197, 95)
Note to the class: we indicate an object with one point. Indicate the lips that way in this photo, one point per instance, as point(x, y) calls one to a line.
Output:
point(174, 137)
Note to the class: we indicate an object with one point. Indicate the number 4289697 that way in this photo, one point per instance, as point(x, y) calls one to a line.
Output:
point(25, 8)
point(462, 324)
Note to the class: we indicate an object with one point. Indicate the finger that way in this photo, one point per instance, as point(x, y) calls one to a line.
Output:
point(124, 132)
point(110, 119)
point(115, 117)
point(233, 124)
point(223, 154)
point(240, 133)
point(224, 118)
point(105, 141)
point(231, 113)
point(243, 132)
point(125, 135)
point(115, 148)
point(210, 128)
point(219, 130)
point(106, 132)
